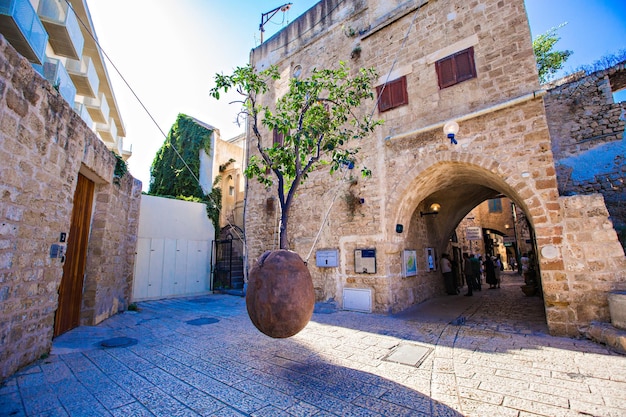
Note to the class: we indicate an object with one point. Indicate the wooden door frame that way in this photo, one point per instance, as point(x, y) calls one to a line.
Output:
point(71, 288)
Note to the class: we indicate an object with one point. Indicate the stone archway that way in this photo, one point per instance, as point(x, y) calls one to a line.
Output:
point(578, 253)
point(457, 187)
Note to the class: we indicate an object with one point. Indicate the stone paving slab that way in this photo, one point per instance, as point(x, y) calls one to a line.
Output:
point(202, 356)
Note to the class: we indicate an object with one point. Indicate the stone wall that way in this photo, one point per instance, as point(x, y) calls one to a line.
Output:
point(503, 148)
point(44, 144)
point(587, 132)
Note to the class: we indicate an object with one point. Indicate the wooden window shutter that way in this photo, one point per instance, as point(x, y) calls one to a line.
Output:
point(392, 94)
point(455, 68)
point(465, 68)
point(446, 72)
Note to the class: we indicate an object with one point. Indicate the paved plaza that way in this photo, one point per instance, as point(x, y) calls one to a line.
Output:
point(487, 355)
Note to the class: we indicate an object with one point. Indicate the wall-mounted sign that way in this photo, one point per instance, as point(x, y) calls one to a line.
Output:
point(473, 233)
point(508, 239)
point(365, 261)
point(409, 263)
point(431, 259)
point(327, 258)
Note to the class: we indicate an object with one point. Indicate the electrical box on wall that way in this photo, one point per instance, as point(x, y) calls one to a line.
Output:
point(431, 259)
point(365, 261)
point(327, 258)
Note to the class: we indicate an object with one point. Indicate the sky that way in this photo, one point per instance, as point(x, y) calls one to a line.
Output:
point(164, 55)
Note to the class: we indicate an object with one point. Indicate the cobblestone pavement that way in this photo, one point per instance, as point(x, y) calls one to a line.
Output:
point(487, 355)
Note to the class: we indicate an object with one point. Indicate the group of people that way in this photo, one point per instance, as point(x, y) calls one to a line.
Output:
point(473, 268)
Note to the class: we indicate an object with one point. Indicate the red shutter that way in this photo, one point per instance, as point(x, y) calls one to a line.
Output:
point(465, 68)
point(398, 92)
point(384, 97)
point(446, 72)
point(455, 68)
point(392, 94)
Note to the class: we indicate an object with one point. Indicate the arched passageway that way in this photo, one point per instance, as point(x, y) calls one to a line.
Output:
point(463, 208)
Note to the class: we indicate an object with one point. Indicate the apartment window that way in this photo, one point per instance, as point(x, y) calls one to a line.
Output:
point(392, 94)
point(495, 205)
point(456, 68)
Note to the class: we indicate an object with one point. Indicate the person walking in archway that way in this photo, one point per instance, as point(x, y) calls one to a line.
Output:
point(490, 273)
point(468, 271)
point(498, 267)
point(446, 270)
point(476, 272)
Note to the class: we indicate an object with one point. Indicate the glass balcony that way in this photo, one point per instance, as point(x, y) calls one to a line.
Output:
point(54, 71)
point(21, 27)
point(84, 76)
point(107, 131)
point(63, 29)
point(82, 111)
point(98, 108)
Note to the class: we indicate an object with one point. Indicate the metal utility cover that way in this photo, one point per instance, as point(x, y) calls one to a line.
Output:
point(407, 354)
point(118, 342)
point(202, 321)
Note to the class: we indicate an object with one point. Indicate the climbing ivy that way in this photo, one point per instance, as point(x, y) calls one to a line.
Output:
point(170, 177)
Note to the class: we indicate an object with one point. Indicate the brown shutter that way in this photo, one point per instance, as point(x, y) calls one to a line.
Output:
point(398, 92)
point(384, 97)
point(456, 68)
point(446, 72)
point(392, 94)
point(465, 68)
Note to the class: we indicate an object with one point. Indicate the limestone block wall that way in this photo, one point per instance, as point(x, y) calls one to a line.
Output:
point(587, 132)
point(594, 264)
point(43, 146)
point(503, 148)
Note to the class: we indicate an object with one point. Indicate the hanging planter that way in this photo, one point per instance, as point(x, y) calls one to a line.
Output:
point(280, 297)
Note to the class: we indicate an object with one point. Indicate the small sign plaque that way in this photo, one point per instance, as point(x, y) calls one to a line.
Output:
point(327, 258)
point(473, 233)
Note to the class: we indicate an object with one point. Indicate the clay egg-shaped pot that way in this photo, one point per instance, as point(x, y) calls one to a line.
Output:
point(280, 297)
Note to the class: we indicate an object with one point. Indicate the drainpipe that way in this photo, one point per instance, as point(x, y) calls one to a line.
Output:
point(530, 96)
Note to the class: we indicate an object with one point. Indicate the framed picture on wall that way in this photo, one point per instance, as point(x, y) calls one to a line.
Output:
point(409, 263)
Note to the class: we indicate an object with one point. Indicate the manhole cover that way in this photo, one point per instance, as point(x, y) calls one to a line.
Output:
point(202, 321)
point(202, 300)
point(118, 342)
point(407, 354)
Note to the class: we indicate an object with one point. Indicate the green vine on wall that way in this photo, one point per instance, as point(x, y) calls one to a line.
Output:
point(175, 177)
point(121, 168)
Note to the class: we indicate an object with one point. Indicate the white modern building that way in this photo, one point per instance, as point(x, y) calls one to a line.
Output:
point(59, 40)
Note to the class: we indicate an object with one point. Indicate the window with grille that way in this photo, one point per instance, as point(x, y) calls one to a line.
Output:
point(392, 94)
point(456, 68)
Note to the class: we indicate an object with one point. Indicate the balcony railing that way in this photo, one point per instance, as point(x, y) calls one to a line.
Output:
point(56, 74)
point(82, 111)
point(98, 108)
point(21, 27)
point(84, 75)
point(63, 29)
point(107, 131)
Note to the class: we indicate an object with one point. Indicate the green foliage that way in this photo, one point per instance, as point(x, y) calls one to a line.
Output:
point(318, 118)
point(176, 177)
point(605, 62)
point(121, 168)
point(549, 61)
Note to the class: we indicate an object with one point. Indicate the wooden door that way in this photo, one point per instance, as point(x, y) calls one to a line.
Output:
point(71, 289)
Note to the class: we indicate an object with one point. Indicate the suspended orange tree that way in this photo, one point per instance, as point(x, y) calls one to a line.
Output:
point(318, 121)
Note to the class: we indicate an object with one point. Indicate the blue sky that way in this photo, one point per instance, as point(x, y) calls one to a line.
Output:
point(169, 51)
